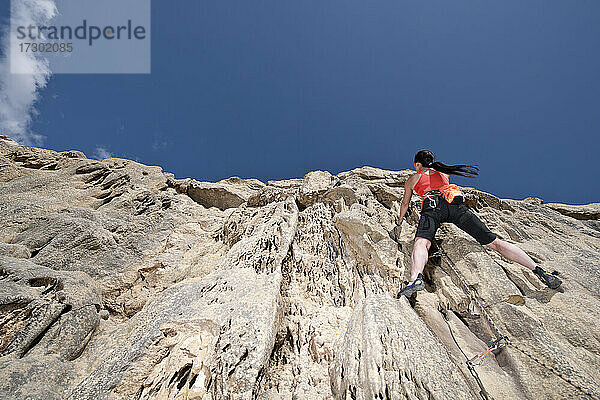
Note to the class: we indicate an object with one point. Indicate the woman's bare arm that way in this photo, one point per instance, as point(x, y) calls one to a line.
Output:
point(408, 189)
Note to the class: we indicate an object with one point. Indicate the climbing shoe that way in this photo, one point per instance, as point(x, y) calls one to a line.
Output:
point(412, 287)
point(552, 281)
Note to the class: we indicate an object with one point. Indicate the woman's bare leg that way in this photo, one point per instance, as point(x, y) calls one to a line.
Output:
point(512, 252)
point(420, 255)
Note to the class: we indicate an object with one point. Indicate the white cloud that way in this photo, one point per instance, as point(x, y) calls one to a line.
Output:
point(19, 92)
point(160, 142)
point(102, 152)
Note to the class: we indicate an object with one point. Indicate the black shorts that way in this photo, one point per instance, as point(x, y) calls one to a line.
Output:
point(437, 210)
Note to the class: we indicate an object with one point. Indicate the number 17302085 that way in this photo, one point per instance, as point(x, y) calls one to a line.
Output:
point(46, 47)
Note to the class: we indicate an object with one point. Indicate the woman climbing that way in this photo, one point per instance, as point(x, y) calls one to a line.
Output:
point(443, 202)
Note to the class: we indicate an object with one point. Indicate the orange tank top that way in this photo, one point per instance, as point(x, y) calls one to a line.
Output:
point(436, 181)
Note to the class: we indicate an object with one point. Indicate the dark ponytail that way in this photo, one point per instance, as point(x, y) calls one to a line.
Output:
point(426, 158)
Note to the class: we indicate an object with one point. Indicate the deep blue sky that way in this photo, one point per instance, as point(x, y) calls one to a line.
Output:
point(274, 89)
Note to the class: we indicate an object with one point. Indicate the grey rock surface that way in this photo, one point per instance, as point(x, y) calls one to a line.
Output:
point(587, 212)
point(388, 352)
point(228, 193)
point(118, 281)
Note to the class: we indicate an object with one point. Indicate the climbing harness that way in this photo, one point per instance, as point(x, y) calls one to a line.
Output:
point(432, 197)
point(446, 192)
point(500, 341)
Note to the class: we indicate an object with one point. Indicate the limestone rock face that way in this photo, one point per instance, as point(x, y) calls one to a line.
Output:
point(228, 193)
point(587, 212)
point(118, 281)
